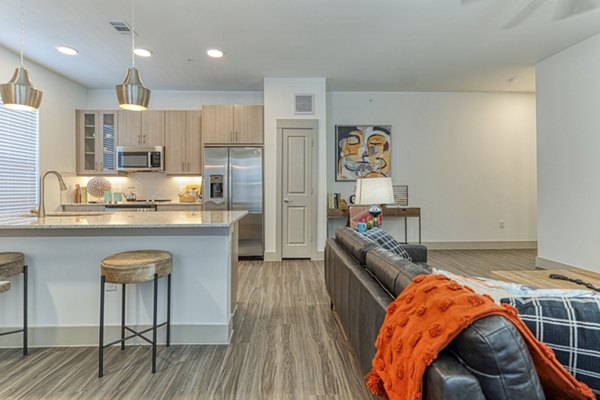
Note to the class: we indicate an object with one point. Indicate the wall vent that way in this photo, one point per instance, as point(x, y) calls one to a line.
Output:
point(304, 104)
point(122, 27)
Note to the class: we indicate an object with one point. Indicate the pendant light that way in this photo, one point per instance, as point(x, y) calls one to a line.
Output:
point(19, 92)
point(132, 94)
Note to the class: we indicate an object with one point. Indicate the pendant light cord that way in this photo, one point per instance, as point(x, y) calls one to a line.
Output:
point(132, 34)
point(22, 31)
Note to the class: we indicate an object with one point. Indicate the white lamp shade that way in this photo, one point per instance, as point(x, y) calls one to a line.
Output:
point(374, 191)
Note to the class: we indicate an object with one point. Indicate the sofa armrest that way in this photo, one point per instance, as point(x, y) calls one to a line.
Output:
point(448, 379)
point(417, 252)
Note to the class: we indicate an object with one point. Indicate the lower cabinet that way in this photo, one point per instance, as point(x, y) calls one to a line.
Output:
point(183, 142)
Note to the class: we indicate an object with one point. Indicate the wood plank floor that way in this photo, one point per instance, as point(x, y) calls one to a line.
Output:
point(482, 262)
point(287, 345)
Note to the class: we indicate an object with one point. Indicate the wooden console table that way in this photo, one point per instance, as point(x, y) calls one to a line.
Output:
point(402, 212)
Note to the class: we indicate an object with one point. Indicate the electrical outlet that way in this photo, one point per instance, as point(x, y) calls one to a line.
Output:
point(501, 224)
point(110, 287)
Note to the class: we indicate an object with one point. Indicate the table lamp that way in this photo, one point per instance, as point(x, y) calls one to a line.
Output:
point(374, 191)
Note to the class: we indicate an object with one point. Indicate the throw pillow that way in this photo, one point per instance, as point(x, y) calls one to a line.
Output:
point(571, 327)
point(386, 241)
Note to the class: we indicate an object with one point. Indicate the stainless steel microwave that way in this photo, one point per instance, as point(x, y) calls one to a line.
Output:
point(137, 159)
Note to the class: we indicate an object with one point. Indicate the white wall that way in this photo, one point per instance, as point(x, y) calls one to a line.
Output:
point(279, 104)
point(56, 118)
point(568, 121)
point(468, 159)
point(175, 99)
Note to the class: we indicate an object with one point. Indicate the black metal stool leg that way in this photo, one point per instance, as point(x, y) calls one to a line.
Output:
point(154, 318)
point(169, 310)
point(123, 317)
point(101, 346)
point(25, 284)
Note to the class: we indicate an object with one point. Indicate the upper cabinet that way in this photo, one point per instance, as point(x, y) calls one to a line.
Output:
point(141, 128)
point(232, 124)
point(96, 142)
point(183, 142)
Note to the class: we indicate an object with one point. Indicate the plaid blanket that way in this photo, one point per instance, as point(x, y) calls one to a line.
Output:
point(571, 327)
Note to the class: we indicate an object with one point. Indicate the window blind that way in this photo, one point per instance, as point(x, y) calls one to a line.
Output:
point(18, 161)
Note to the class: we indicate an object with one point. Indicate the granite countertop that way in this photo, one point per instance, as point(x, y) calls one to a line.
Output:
point(154, 219)
point(158, 203)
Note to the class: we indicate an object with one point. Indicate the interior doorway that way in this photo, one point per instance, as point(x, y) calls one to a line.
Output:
point(296, 188)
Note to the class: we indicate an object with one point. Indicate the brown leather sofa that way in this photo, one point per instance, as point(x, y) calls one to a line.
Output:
point(489, 360)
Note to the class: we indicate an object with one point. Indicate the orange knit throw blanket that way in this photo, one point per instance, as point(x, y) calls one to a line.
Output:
point(426, 317)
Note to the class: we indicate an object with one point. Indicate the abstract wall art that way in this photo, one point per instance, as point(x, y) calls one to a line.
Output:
point(362, 152)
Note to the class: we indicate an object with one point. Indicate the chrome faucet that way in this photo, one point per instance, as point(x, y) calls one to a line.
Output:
point(63, 187)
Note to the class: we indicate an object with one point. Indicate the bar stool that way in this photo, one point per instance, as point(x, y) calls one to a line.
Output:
point(11, 264)
point(135, 267)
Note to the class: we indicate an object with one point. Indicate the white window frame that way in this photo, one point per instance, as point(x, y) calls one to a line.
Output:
point(19, 161)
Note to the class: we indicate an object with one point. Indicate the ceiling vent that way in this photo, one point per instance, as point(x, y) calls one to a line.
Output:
point(122, 27)
point(304, 104)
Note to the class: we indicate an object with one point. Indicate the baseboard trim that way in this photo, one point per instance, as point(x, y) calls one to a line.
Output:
point(271, 256)
point(50, 336)
point(488, 245)
point(546, 263)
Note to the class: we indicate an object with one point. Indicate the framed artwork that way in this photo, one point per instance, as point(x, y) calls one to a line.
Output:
point(401, 195)
point(362, 152)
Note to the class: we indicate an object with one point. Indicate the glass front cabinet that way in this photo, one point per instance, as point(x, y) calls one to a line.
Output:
point(96, 142)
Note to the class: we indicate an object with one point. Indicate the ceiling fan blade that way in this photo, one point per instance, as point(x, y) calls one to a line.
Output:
point(523, 14)
point(566, 9)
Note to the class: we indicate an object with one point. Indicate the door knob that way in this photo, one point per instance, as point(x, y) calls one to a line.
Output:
point(286, 200)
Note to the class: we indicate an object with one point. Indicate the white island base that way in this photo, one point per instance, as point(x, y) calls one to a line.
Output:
point(64, 253)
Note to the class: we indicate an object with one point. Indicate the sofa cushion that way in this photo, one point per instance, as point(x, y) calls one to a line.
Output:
point(357, 245)
point(571, 327)
point(494, 351)
point(393, 272)
point(387, 241)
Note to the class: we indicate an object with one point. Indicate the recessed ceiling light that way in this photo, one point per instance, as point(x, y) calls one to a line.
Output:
point(214, 53)
point(67, 50)
point(142, 52)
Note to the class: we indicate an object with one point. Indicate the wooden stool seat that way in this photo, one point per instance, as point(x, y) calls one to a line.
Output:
point(11, 264)
point(136, 266)
point(4, 286)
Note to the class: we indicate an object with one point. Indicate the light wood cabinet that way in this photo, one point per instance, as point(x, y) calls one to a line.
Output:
point(183, 142)
point(248, 124)
point(96, 142)
point(141, 128)
point(232, 124)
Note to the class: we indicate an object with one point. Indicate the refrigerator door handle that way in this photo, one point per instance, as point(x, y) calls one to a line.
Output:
point(229, 181)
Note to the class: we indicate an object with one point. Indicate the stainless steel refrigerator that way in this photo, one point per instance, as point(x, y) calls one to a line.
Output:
point(233, 180)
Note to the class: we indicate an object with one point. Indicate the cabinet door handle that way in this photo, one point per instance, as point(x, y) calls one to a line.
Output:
point(188, 167)
point(139, 139)
point(237, 138)
point(144, 139)
point(183, 166)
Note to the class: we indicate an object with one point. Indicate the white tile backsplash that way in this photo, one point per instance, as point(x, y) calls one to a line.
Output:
point(148, 185)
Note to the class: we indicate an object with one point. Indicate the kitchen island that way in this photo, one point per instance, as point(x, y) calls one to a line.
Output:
point(64, 252)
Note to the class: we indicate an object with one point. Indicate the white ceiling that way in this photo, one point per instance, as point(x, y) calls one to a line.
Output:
point(375, 45)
